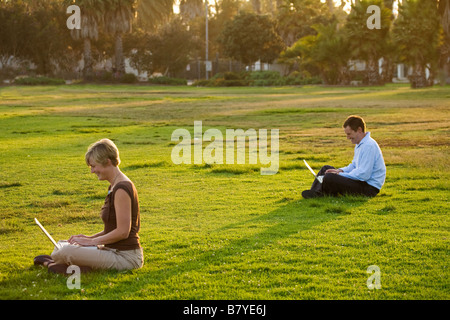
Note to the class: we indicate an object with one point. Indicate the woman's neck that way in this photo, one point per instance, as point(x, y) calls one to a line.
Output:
point(115, 176)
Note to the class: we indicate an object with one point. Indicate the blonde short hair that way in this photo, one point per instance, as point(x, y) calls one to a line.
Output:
point(101, 151)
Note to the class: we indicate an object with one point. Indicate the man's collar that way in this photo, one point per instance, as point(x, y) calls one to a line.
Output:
point(366, 137)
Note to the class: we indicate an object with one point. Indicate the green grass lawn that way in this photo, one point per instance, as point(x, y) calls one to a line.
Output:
point(226, 231)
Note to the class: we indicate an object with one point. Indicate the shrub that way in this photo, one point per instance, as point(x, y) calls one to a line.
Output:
point(128, 78)
point(266, 78)
point(299, 80)
point(265, 75)
point(236, 76)
point(221, 83)
point(231, 83)
point(226, 79)
point(257, 79)
point(102, 76)
point(202, 83)
point(168, 81)
point(36, 81)
point(8, 73)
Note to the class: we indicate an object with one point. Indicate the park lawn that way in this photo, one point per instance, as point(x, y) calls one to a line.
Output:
point(225, 231)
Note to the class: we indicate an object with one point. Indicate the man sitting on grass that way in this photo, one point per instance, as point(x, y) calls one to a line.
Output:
point(364, 176)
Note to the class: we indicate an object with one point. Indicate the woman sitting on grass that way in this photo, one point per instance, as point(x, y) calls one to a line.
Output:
point(117, 246)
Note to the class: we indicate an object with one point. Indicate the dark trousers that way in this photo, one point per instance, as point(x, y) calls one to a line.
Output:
point(335, 184)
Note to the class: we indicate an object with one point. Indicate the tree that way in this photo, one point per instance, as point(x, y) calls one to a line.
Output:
point(167, 50)
point(49, 43)
point(224, 11)
point(444, 13)
point(33, 32)
point(296, 18)
point(119, 16)
point(368, 44)
point(191, 9)
point(326, 52)
point(388, 66)
point(92, 12)
point(417, 35)
point(15, 35)
point(250, 37)
point(153, 13)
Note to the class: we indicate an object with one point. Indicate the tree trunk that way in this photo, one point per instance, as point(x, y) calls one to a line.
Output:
point(444, 11)
point(279, 4)
point(120, 61)
point(387, 70)
point(87, 70)
point(418, 78)
point(372, 72)
point(256, 4)
point(344, 76)
point(330, 4)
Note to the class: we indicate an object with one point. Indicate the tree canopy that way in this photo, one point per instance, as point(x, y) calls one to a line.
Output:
point(250, 37)
point(313, 37)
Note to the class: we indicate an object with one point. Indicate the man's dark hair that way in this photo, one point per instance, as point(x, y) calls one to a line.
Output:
point(355, 122)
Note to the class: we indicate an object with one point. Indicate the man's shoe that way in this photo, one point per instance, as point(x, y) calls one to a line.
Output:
point(309, 194)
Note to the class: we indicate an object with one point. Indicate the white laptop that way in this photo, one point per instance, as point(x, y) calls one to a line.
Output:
point(58, 245)
point(319, 178)
point(62, 243)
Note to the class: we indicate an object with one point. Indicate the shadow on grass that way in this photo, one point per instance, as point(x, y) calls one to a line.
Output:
point(288, 220)
point(255, 234)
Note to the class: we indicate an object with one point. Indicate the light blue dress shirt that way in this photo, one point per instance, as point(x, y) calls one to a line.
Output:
point(368, 163)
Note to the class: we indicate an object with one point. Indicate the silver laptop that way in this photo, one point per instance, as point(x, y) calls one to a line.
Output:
point(319, 178)
point(58, 245)
point(62, 243)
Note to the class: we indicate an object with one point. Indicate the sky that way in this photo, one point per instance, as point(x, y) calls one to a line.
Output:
point(348, 6)
point(337, 2)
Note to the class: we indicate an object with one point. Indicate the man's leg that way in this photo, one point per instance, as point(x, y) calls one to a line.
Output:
point(316, 188)
point(335, 184)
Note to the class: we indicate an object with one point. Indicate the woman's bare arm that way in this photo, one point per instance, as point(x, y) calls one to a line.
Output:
point(122, 205)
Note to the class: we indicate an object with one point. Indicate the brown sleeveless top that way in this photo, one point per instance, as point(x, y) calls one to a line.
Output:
point(108, 214)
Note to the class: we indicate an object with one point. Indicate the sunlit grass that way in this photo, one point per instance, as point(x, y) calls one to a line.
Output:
point(224, 231)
